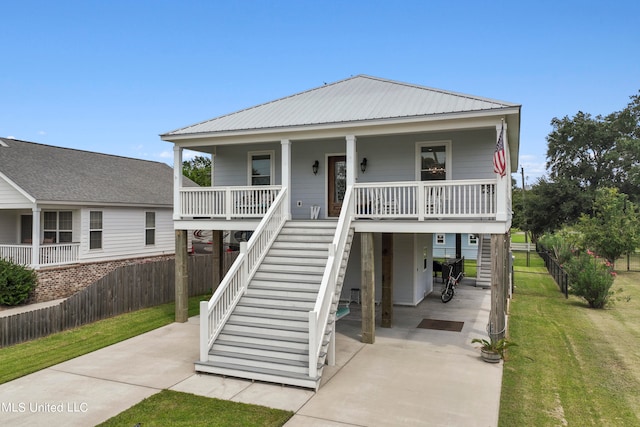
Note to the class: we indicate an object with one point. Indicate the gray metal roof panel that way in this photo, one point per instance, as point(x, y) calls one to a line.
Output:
point(356, 99)
point(58, 174)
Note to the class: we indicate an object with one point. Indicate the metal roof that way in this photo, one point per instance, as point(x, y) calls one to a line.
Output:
point(356, 99)
point(58, 174)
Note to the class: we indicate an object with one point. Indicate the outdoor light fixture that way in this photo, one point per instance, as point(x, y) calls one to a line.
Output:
point(363, 165)
point(315, 166)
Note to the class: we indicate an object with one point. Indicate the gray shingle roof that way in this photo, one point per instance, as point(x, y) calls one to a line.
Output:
point(67, 175)
point(356, 99)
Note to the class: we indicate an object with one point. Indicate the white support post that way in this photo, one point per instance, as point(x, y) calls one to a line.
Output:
point(177, 181)
point(352, 160)
point(286, 175)
point(204, 331)
point(503, 186)
point(35, 238)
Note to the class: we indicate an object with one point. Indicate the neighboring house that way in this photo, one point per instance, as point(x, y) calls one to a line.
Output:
point(345, 186)
point(445, 245)
point(61, 206)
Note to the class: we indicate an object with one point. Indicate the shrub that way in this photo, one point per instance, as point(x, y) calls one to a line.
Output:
point(590, 278)
point(16, 282)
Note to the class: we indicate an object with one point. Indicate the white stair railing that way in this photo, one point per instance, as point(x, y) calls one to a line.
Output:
point(215, 312)
point(319, 317)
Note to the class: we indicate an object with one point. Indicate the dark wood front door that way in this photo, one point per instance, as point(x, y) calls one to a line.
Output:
point(337, 184)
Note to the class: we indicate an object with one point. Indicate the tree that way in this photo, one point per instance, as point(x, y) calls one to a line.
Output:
point(614, 227)
point(587, 153)
point(551, 205)
point(198, 170)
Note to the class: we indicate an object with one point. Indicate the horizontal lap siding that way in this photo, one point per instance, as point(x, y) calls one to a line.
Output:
point(123, 234)
point(125, 289)
point(11, 197)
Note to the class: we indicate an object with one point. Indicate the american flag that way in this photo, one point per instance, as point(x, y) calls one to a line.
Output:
point(499, 160)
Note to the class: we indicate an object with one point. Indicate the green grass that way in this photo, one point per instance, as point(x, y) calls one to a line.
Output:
point(573, 365)
point(23, 359)
point(171, 408)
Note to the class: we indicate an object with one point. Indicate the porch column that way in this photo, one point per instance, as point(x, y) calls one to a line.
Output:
point(387, 280)
point(213, 164)
point(35, 238)
point(367, 288)
point(352, 160)
point(286, 173)
point(182, 277)
point(499, 279)
point(177, 180)
point(503, 187)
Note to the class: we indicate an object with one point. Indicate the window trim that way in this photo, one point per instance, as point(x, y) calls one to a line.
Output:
point(57, 229)
point(271, 154)
point(148, 228)
point(448, 156)
point(96, 230)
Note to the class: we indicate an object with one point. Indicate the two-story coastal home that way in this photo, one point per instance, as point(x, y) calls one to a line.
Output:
point(344, 186)
point(60, 206)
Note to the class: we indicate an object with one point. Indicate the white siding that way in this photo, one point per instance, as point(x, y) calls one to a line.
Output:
point(123, 234)
point(9, 227)
point(230, 163)
point(10, 197)
point(411, 282)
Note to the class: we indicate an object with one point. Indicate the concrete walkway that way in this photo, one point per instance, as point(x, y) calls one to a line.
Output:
point(410, 376)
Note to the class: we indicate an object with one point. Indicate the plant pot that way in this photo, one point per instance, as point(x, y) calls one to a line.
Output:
point(490, 356)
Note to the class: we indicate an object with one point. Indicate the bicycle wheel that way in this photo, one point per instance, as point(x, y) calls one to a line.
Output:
point(447, 294)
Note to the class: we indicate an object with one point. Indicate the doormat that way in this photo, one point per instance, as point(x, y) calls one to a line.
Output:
point(441, 325)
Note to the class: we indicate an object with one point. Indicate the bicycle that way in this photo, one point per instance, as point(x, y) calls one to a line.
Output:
point(450, 287)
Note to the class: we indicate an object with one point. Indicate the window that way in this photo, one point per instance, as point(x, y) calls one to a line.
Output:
point(261, 168)
point(58, 227)
point(473, 240)
point(150, 228)
point(440, 240)
point(432, 159)
point(95, 230)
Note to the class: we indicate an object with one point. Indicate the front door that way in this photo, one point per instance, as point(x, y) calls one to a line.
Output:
point(337, 175)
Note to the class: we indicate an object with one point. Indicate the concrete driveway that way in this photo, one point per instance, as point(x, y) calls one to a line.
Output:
point(410, 376)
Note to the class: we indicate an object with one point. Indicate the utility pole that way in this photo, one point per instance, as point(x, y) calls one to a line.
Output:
point(524, 216)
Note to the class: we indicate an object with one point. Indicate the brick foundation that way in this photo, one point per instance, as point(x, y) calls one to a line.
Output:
point(62, 282)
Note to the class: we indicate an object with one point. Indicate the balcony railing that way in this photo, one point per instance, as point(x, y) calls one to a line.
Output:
point(49, 254)
point(426, 199)
point(413, 200)
point(227, 202)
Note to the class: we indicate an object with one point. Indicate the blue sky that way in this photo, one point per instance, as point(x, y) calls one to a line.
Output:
point(110, 76)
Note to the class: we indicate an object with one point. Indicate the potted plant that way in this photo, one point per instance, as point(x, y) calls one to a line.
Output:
point(491, 350)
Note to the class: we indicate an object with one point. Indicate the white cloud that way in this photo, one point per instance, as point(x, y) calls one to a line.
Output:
point(11, 137)
point(41, 132)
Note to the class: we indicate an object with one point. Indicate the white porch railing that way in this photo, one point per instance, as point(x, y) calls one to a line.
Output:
point(318, 318)
point(426, 199)
point(215, 312)
point(49, 254)
point(227, 202)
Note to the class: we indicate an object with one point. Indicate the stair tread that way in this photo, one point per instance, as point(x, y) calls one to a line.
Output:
point(267, 306)
point(268, 326)
point(258, 358)
point(261, 347)
point(267, 371)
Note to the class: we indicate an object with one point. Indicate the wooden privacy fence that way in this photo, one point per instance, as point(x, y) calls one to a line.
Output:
point(128, 288)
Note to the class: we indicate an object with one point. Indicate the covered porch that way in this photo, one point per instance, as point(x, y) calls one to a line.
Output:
point(54, 227)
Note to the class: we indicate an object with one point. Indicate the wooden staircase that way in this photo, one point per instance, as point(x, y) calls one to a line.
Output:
point(266, 338)
point(483, 278)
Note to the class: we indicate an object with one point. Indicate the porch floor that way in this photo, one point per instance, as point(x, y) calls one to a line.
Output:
point(410, 376)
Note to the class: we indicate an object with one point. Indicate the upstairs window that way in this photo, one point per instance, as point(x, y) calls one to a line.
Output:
point(261, 168)
point(95, 230)
point(433, 160)
point(150, 228)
